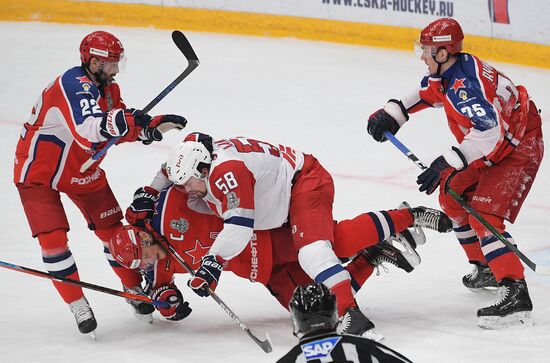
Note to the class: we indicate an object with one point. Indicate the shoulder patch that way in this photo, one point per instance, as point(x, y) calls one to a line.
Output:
point(319, 349)
point(232, 200)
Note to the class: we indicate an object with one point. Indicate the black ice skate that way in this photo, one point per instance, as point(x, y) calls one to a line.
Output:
point(429, 218)
point(354, 322)
point(481, 280)
point(512, 307)
point(84, 316)
point(142, 310)
point(405, 258)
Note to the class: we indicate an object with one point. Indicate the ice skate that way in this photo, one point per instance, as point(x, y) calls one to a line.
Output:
point(142, 310)
point(425, 217)
point(404, 257)
point(354, 322)
point(481, 280)
point(512, 307)
point(84, 316)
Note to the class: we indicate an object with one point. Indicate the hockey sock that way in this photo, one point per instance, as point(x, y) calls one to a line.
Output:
point(360, 270)
point(367, 229)
point(59, 260)
point(502, 261)
point(470, 243)
point(344, 297)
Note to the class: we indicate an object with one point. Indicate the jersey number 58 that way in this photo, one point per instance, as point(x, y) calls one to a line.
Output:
point(227, 182)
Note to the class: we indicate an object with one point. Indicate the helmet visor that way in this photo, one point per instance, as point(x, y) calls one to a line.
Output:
point(114, 67)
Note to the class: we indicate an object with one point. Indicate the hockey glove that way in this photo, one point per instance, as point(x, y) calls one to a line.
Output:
point(179, 308)
point(390, 118)
point(127, 123)
point(207, 275)
point(142, 207)
point(449, 163)
point(159, 125)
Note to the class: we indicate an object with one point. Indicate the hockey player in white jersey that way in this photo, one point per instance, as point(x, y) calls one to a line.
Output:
point(252, 184)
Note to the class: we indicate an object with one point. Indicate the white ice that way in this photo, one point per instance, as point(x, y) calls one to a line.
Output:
point(313, 95)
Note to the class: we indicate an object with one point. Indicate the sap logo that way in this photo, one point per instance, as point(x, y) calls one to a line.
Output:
point(320, 348)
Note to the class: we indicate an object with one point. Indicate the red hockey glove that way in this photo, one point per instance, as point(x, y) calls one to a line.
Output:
point(142, 207)
point(179, 308)
point(159, 125)
point(207, 276)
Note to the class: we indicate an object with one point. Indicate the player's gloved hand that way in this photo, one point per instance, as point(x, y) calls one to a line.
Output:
point(207, 276)
point(179, 308)
point(159, 125)
point(142, 207)
point(127, 123)
point(440, 168)
point(390, 118)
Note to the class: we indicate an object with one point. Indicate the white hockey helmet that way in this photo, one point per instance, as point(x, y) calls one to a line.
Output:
point(184, 161)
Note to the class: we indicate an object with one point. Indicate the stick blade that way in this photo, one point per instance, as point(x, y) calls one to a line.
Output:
point(542, 270)
point(184, 46)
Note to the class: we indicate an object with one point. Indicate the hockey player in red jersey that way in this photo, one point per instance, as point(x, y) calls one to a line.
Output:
point(254, 185)
point(498, 129)
point(269, 258)
point(73, 118)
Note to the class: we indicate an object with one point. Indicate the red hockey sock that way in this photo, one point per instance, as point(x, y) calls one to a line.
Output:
point(344, 296)
point(359, 270)
point(507, 265)
point(367, 229)
point(69, 293)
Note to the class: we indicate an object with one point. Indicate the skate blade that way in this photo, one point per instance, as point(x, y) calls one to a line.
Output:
point(372, 334)
point(485, 291)
point(522, 319)
point(406, 250)
point(147, 318)
point(418, 235)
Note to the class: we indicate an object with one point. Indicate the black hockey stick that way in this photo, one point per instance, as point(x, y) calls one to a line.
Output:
point(543, 270)
point(193, 62)
point(106, 290)
point(264, 344)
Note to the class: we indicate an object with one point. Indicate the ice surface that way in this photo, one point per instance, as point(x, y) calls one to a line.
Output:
point(312, 95)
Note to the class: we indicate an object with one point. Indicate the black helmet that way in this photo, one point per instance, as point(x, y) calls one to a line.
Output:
point(313, 308)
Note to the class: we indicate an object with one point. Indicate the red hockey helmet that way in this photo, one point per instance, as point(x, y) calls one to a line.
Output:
point(444, 32)
point(125, 246)
point(102, 45)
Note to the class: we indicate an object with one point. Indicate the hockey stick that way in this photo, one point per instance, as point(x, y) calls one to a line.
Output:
point(193, 62)
point(106, 290)
point(543, 270)
point(264, 344)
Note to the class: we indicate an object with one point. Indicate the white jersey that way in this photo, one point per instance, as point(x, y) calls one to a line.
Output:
point(249, 187)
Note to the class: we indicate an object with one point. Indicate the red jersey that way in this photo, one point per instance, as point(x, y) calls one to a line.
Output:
point(63, 132)
point(485, 111)
point(192, 233)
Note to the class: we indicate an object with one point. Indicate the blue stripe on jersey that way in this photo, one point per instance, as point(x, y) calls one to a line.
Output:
point(240, 221)
point(378, 226)
point(390, 222)
point(46, 138)
point(328, 273)
point(156, 222)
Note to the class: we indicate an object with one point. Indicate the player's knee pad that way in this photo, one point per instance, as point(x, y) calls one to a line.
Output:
point(106, 233)
point(54, 241)
point(481, 231)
